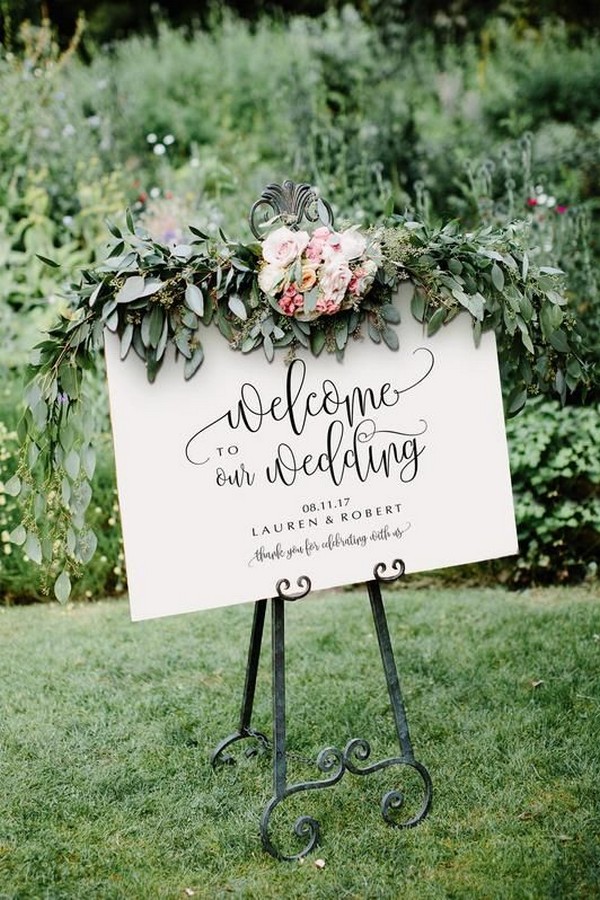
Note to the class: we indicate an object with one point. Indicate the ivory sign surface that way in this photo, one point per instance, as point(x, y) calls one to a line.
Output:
point(252, 472)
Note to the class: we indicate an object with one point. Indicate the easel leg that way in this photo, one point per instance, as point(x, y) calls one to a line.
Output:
point(279, 728)
point(390, 670)
point(329, 761)
point(244, 731)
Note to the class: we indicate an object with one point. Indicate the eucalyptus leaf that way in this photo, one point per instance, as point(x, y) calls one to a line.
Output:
point(132, 288)
point(152, 286)
point(162, 342)
point(192, 364)
point(72, 464)
point(475, 304)
point(194, 298)
point(248, 344)
point(341, 335)
point(374, 332)
point(145, 329)
point(317, 341)
point(497, 277)
point(310, 300)
point(390, 313)
point(13, 486)
point(417, 305)
point(299, 332)
point(268, 347)
point(112, 321)
point(390, 338)
point(33, 452)
point(437, 320)
point(71, 541)
point(33, 547)
point(18, 535)
point(156, 324)
point(126, 339)
point(182, 342)
point(189, 318)
point(86, 545)
point(65, 491)
point(88, 457)
point(236, 305)
point(62, 587)
point(182, 251)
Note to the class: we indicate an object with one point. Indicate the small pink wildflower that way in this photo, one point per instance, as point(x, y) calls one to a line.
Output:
point(531, 201)
point(560, 209)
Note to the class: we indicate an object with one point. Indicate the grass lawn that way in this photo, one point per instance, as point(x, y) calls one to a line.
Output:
point(106, 728)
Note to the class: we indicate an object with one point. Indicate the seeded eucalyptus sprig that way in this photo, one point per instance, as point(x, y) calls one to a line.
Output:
point(489, 273)
point(156, 298)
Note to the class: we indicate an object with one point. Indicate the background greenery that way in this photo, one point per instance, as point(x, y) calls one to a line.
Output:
point(107, 727)
point(486, 115)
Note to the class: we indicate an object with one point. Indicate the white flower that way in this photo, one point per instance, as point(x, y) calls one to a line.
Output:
point(160, 149)
point(151, 138)
point(283, 246)
point(168, 139)
point(352, 243)
point(270, 277)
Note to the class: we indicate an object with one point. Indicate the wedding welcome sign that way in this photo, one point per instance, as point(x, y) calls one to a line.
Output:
point(253, 471)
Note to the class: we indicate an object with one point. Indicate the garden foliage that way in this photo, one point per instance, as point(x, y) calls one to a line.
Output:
point(502, 128)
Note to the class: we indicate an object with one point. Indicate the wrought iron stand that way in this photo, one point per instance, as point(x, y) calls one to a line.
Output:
point(331, 761)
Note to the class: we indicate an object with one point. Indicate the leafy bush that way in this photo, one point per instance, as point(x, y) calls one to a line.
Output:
point(556, 482)
point(543, 76)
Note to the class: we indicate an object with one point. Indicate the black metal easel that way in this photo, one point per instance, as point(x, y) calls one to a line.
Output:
point(331, 761)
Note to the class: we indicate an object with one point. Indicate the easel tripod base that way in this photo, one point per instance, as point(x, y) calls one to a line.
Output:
point(331, 762)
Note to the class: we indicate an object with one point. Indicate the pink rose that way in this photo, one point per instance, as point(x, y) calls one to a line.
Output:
point(362, 278)
point(347, 244)
point(327, 307)
point(291, 301)
point(283, 246)
point(315, 246)
point(334, 278)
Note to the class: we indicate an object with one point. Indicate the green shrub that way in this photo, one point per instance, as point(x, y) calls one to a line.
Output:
point(540, 75)
point(555, 468)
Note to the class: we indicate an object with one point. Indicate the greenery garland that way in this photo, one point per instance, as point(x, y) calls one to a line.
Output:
point(155, 297)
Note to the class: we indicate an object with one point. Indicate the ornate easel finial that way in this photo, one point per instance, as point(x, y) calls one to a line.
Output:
point(288, 203)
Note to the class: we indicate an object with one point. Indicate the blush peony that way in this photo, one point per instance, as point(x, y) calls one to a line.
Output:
point(283, 246)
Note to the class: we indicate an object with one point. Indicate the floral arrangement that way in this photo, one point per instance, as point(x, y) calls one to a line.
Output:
point(308, 276)
point(318, 290)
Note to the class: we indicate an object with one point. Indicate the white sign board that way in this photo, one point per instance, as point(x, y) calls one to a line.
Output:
point(252, 472)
